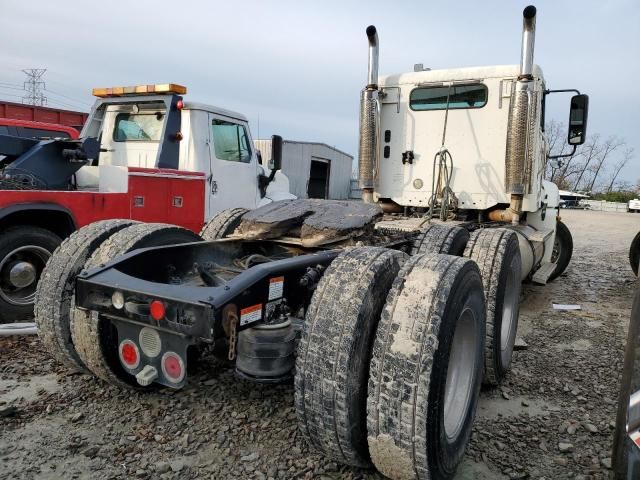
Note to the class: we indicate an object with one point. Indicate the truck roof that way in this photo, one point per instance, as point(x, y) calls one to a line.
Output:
point(213, 109)
point(455, 74)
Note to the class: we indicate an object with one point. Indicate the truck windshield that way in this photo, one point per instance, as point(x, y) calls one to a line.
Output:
point(460, 96)
point(145, 127)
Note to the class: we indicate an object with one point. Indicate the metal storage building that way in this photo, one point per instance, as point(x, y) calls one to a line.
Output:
point(315, 170)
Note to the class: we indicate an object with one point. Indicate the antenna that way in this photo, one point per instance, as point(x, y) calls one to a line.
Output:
point(34, 87)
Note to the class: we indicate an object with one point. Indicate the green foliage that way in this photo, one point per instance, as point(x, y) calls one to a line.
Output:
point(621, 196)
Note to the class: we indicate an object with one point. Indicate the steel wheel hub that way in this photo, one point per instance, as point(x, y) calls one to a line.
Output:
point(19, 273)
point(461, 373)
point(22, 274)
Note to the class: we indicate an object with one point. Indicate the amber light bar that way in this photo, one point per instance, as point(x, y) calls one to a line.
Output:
point(140, 90)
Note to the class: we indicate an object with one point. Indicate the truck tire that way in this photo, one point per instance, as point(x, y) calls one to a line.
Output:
point(24, 252)
point(333, 355)
point(634, 254)
point(562, 250)
point(222, 224)
point(441, 238)
point(95, 338)
point(497, 254)
point(55, 292)
point(426, 368)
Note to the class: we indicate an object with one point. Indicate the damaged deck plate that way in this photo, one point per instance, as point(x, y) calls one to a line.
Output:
point(314, 222)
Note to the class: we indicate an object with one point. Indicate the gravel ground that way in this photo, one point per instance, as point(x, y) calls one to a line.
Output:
point(552, 418)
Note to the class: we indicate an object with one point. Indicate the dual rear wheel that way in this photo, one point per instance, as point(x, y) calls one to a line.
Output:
point(390, 375)
point(395, 348)
point(80, 340)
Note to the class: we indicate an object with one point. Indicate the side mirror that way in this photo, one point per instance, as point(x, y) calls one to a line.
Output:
point(578, 119)
point(276, 152)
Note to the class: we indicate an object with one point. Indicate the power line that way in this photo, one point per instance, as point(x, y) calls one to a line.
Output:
point(80, 102)
point(10, 95)
point(12, 88)
point(34, 86)
point(12, 85)
point(15, 86)
point(64, 104)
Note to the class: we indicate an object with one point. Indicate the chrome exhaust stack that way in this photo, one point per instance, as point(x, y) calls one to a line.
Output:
point(528, 41)
point(519, 154)
point(372, 71)
point(369, 121)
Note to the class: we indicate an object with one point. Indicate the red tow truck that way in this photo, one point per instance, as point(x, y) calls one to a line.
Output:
point(144, 154)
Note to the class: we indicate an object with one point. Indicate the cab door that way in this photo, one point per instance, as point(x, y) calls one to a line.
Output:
point(233, 178)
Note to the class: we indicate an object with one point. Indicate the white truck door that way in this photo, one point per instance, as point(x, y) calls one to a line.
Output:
point(233, 181)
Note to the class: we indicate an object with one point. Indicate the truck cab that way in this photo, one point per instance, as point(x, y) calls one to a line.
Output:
point(467, 145)
point(164, 131)
point(466, 111)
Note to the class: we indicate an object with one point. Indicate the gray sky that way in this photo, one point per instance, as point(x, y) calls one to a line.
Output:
point(299, 66)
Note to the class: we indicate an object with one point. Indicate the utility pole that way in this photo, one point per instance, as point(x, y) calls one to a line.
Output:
point(34, 87)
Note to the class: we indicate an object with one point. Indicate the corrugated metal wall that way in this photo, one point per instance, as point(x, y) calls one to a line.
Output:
point(296, 163)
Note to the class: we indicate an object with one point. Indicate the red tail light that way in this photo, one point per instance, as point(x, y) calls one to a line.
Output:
point(173, 367)
point(157, 310)
point(129, 354)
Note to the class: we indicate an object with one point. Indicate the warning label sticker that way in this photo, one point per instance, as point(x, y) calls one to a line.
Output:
point(276, 287)
point(251, 314)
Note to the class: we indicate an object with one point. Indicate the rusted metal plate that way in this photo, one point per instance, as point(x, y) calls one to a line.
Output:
point(314, 222)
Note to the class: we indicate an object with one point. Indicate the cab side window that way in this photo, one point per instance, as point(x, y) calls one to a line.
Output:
point(230, 141)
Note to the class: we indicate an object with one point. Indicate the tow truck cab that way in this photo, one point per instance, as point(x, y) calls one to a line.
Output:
point(152, 126)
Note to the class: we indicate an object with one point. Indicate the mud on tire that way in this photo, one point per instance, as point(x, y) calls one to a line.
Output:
point(562, 250)
point(222, 224)
point(94, 336)
point(426, 368)
point(55, 291)
point(441, 238)
point(333, 356)
point(497, 254)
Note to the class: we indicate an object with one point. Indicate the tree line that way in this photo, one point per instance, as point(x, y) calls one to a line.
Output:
point(593, 168)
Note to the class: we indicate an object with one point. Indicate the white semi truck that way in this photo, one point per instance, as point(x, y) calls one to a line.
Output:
point(468, 145)
point(387, 314)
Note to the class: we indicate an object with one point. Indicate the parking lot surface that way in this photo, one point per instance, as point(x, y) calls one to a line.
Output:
point(552, 418)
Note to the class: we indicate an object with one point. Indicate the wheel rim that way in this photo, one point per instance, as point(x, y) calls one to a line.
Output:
point(509, 322)
point(19, 273)
point(461, 373)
